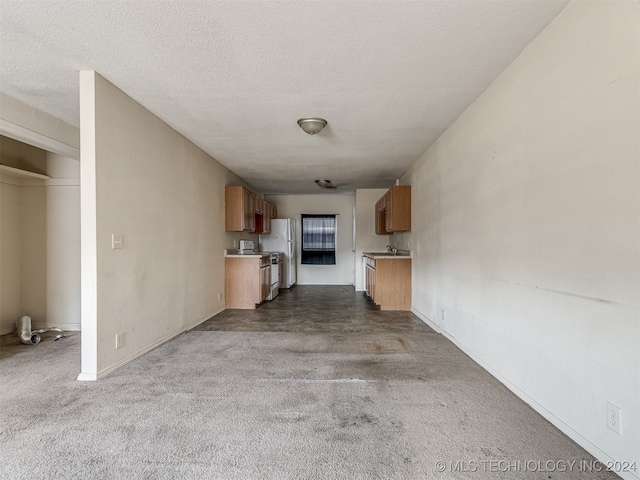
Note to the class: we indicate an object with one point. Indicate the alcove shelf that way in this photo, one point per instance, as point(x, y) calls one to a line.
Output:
point(19, 173)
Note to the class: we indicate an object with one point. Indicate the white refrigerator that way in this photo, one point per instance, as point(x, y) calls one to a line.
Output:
point(282, 239)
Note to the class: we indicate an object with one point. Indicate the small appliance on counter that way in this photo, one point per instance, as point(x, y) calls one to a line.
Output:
point(246, 247)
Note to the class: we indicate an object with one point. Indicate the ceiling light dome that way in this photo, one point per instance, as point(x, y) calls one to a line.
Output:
point(324, 183)
point(312, 125)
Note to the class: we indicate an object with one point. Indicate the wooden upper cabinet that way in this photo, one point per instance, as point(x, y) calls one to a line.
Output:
point(266, 218)
point(388, 219)
point(245, 212)
point(248, 211)
point(238, 210)
point(380, 212)
point(259, 206)
point(393, 210)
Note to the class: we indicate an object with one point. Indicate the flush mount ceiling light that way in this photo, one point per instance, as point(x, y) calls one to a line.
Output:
point(312, 125)
point(325, 184)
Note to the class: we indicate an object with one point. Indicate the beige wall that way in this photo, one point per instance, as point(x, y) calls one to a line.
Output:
point(63, 242)
point(28, 124)
point(34, 252)
point(292, 206)
point(10, 254)
point(14, 153)
point(40, 239)
point(166, 197)
point(526, 226)
point(366, 238)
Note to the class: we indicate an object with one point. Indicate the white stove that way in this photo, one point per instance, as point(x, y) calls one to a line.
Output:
point(246, 247)
point(275, 277)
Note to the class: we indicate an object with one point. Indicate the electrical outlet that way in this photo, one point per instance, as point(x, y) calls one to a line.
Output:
point(235, 244)
point(444, 315)
point(118, 340)
point(614, 420)
point(219, 296)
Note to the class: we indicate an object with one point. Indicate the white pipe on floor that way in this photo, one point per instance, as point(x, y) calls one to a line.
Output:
point(23, 327)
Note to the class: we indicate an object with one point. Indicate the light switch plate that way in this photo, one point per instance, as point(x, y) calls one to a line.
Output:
point(116, 241)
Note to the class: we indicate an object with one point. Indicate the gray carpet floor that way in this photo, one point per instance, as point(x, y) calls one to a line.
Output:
point(227, 404)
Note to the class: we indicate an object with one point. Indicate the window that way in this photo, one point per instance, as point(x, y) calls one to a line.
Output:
point(318, 239)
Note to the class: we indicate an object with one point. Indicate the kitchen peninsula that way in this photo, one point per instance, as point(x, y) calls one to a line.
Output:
point(388, 279)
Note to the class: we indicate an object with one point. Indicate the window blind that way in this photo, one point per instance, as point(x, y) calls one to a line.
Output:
point(318, 239)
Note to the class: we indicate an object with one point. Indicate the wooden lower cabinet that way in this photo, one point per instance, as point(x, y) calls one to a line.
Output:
point(370, 281)
point(247, 281)
point(388, 282)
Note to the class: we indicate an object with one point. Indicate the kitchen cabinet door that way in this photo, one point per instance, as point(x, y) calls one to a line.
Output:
point(259, 205)
point(237, 209)
point(243, 282)
point(266, 219)
point(400, 208)
point(370, 281)
point(380, 212)
point(249, 215)
point(392, 284)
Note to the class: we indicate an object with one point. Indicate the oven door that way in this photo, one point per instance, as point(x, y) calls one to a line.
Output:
point(275, 278)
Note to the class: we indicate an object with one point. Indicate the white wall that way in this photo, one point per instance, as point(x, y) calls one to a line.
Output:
point(366, 238)
point(526, 221)
point(143, 180)
point(292, 206)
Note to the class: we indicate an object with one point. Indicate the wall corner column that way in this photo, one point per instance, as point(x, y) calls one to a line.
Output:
point(88, 230)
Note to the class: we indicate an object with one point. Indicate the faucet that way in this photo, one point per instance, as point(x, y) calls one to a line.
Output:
point(392, 250)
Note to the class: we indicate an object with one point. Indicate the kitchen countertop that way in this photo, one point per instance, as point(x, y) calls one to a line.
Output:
point(234, 252)
point(402, 254)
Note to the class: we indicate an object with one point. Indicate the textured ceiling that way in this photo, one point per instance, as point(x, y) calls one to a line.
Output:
point(234, 76)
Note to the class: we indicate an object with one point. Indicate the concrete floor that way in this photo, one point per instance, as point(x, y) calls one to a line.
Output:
point(302, 309)
point(317, 309)
point(319, 371)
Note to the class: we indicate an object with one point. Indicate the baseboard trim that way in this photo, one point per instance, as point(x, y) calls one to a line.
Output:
point(67, 327)
point(426, 319)
point(204, 319)
point(133, 356)
point(585, 443)
point(7, 330)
